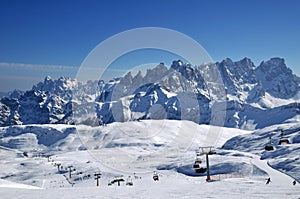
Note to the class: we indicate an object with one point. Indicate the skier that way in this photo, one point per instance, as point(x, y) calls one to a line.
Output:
point(294, 182)
point(268, 180)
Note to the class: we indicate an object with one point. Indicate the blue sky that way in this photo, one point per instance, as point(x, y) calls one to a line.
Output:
point(53, 37)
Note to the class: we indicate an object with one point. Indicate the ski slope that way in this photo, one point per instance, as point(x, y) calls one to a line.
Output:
point(8, 184)
point(134, 149)
point(277, 178)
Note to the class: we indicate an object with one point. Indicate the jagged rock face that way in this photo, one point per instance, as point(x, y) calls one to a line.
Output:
point(32, 108)
point(9, 112)
point(239, 84)
point(277, 78)
point(233, 93)
point(47, 102)
point(235, 74)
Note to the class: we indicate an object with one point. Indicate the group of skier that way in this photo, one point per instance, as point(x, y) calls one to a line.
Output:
point(269, 180)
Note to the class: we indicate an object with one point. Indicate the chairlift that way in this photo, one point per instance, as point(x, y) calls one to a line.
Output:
point(269, 146)
point(155, 176)
point(197, 164)
point(200, 170)
point(284, 141)
point(129, 181)
point(118, 180)
point(211, 152)
point(109, 183)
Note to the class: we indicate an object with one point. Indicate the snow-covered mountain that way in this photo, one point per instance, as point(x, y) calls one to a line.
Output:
point(232, 94)
point(152, 126)
point(48, 102)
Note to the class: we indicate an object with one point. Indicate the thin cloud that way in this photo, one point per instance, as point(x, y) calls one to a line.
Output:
point(37, 67)
point(17, 77)
point(24, 76)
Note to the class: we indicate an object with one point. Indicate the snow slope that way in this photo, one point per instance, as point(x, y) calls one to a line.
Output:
point(170, 139)
point(8, 184)
point(284, 158)
point(135, 149)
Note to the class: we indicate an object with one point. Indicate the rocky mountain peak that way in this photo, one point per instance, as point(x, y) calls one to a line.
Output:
point(277, 78)
point(245, 92)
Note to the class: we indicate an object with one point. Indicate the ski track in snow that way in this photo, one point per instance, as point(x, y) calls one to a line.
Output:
point(277, 177)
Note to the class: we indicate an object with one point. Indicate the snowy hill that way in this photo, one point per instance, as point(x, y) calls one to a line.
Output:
point(284, 158)
point(232, 94)
point(132, 151)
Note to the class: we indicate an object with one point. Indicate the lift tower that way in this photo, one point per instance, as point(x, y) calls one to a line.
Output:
point(207, 151)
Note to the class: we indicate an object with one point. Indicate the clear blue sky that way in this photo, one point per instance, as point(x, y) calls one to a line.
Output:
point(62, 33)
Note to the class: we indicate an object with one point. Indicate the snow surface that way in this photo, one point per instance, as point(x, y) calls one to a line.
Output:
point(284, 158)
point(8, 184)
point(132, 151)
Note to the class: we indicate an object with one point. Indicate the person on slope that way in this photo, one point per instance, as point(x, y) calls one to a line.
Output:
point(268, 180)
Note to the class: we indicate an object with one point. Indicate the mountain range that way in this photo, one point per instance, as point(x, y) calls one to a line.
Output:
point(227, 93)
point(152, 126)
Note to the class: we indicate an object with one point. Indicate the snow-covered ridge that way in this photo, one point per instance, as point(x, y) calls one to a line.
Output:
point(237, 93)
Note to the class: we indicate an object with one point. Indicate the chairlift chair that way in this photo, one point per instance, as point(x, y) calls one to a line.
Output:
point(197, 167)
point(118, 180)
point(283, 141)
point(269, 147)
point(197, 163)
point(129, 182)
point(155, 176)
point(200, 170)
